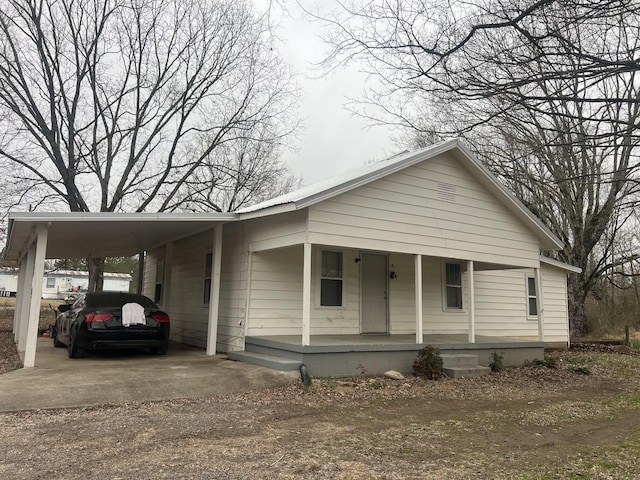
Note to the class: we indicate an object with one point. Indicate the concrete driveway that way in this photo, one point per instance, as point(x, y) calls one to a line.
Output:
point(122, 377)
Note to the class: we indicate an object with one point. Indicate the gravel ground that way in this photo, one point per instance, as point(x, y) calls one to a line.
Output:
point(575, 416)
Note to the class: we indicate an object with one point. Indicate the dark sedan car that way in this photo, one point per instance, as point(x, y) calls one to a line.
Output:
point(109, 320)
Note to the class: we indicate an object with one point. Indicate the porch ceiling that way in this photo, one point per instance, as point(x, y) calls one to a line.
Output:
point(78, 235)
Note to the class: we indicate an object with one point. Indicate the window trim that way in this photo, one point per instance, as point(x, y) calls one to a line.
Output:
point(53, 280)
point(445, 285)
point(319, 278)
point(528, 297)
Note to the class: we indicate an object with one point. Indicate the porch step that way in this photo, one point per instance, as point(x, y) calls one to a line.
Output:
point(462, 366)
point(458, 360)
point(264, 360)
point(466, 372)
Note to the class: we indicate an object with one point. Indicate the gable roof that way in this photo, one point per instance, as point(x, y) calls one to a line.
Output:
point(326, 189)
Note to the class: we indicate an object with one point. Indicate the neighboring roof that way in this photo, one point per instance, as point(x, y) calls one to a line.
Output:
point(66, 273)
point(80, 234)
point(352, 179)
point(559, 264)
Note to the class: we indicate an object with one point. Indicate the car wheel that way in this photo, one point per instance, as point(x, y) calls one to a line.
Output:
point(54, 335)
point(160, 350)
point(74, 351)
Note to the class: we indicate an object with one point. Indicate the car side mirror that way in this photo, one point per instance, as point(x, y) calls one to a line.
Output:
point(65, 307)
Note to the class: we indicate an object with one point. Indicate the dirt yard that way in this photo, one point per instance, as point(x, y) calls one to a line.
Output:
point(575, 416)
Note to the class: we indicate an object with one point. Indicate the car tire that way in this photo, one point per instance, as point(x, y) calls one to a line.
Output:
point(74, 351)
point(160, 350)
point(54, 335)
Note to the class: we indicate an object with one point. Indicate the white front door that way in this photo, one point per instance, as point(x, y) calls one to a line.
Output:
point(374, 298)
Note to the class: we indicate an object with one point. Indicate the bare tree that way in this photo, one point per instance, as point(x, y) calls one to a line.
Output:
point(546, 92)
point(115, 105)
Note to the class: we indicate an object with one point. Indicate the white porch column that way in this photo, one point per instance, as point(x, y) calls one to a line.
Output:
point(36, 294)
point(214, 302)
point(418, 294)
point(540, 301)
point(306, 295)
point(20, 293)
point(25, 298)
point(472, 303)
point(247, 302)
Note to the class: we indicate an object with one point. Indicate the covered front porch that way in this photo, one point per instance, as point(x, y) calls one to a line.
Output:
point(349, 355)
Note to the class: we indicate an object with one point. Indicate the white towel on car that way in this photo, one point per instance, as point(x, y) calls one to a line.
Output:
point(133, 314)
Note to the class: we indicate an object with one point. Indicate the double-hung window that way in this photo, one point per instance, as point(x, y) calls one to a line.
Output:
point(331, 279)
point(453, 286)
point(532, 297)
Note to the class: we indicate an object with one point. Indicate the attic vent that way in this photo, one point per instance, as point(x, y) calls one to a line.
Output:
point(447, 192)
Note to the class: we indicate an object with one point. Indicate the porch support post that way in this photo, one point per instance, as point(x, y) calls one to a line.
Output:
point(418, 294)
point(472, 303)
point(306, 295)
point(36, 294)
point(20, 294)
point(540, 302)
point(214, 302)
point(25, 298)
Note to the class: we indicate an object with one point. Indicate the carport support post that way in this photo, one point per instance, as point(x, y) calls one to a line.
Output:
point(36, 294)
point(472, 303)
point(20, 294)
point(214, 302)
point(538, 278)
point(418, 271)
point(306, 295)
point(25, 298)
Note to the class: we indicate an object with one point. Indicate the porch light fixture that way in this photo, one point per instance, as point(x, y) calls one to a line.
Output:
point(357, 259)
point(393, 275)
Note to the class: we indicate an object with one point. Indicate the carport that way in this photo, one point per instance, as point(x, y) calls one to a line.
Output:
point(34, 237)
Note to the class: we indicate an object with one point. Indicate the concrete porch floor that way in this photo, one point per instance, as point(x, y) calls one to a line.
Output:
point(388, 339)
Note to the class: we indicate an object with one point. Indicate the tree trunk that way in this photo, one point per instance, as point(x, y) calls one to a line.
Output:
point(578, 326)
point(96, 274)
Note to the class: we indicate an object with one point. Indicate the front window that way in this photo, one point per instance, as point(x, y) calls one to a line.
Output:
point(331, 279)
point(51, 282)
point(453, 286)
point(532, 297)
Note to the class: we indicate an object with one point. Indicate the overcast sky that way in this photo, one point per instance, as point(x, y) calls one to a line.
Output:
point(333, 139)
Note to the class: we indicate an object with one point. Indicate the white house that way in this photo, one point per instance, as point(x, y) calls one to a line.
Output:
point(356, 273)
point(61, 284)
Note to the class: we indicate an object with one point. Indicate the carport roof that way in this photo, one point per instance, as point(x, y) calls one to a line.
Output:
point(78, 235)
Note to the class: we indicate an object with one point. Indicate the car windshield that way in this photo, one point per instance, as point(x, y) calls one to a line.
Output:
point(101, 300)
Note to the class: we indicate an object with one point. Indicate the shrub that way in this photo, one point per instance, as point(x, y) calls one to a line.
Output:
point(495, 362)
point(428, 364)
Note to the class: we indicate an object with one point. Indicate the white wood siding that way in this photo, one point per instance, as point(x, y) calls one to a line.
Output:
point(185, 300)
point(501, 304)
point(436, 208)
point(275, 231)
point(554, 288)
point(233, 284)
point(500, 301)
point(276, 294)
